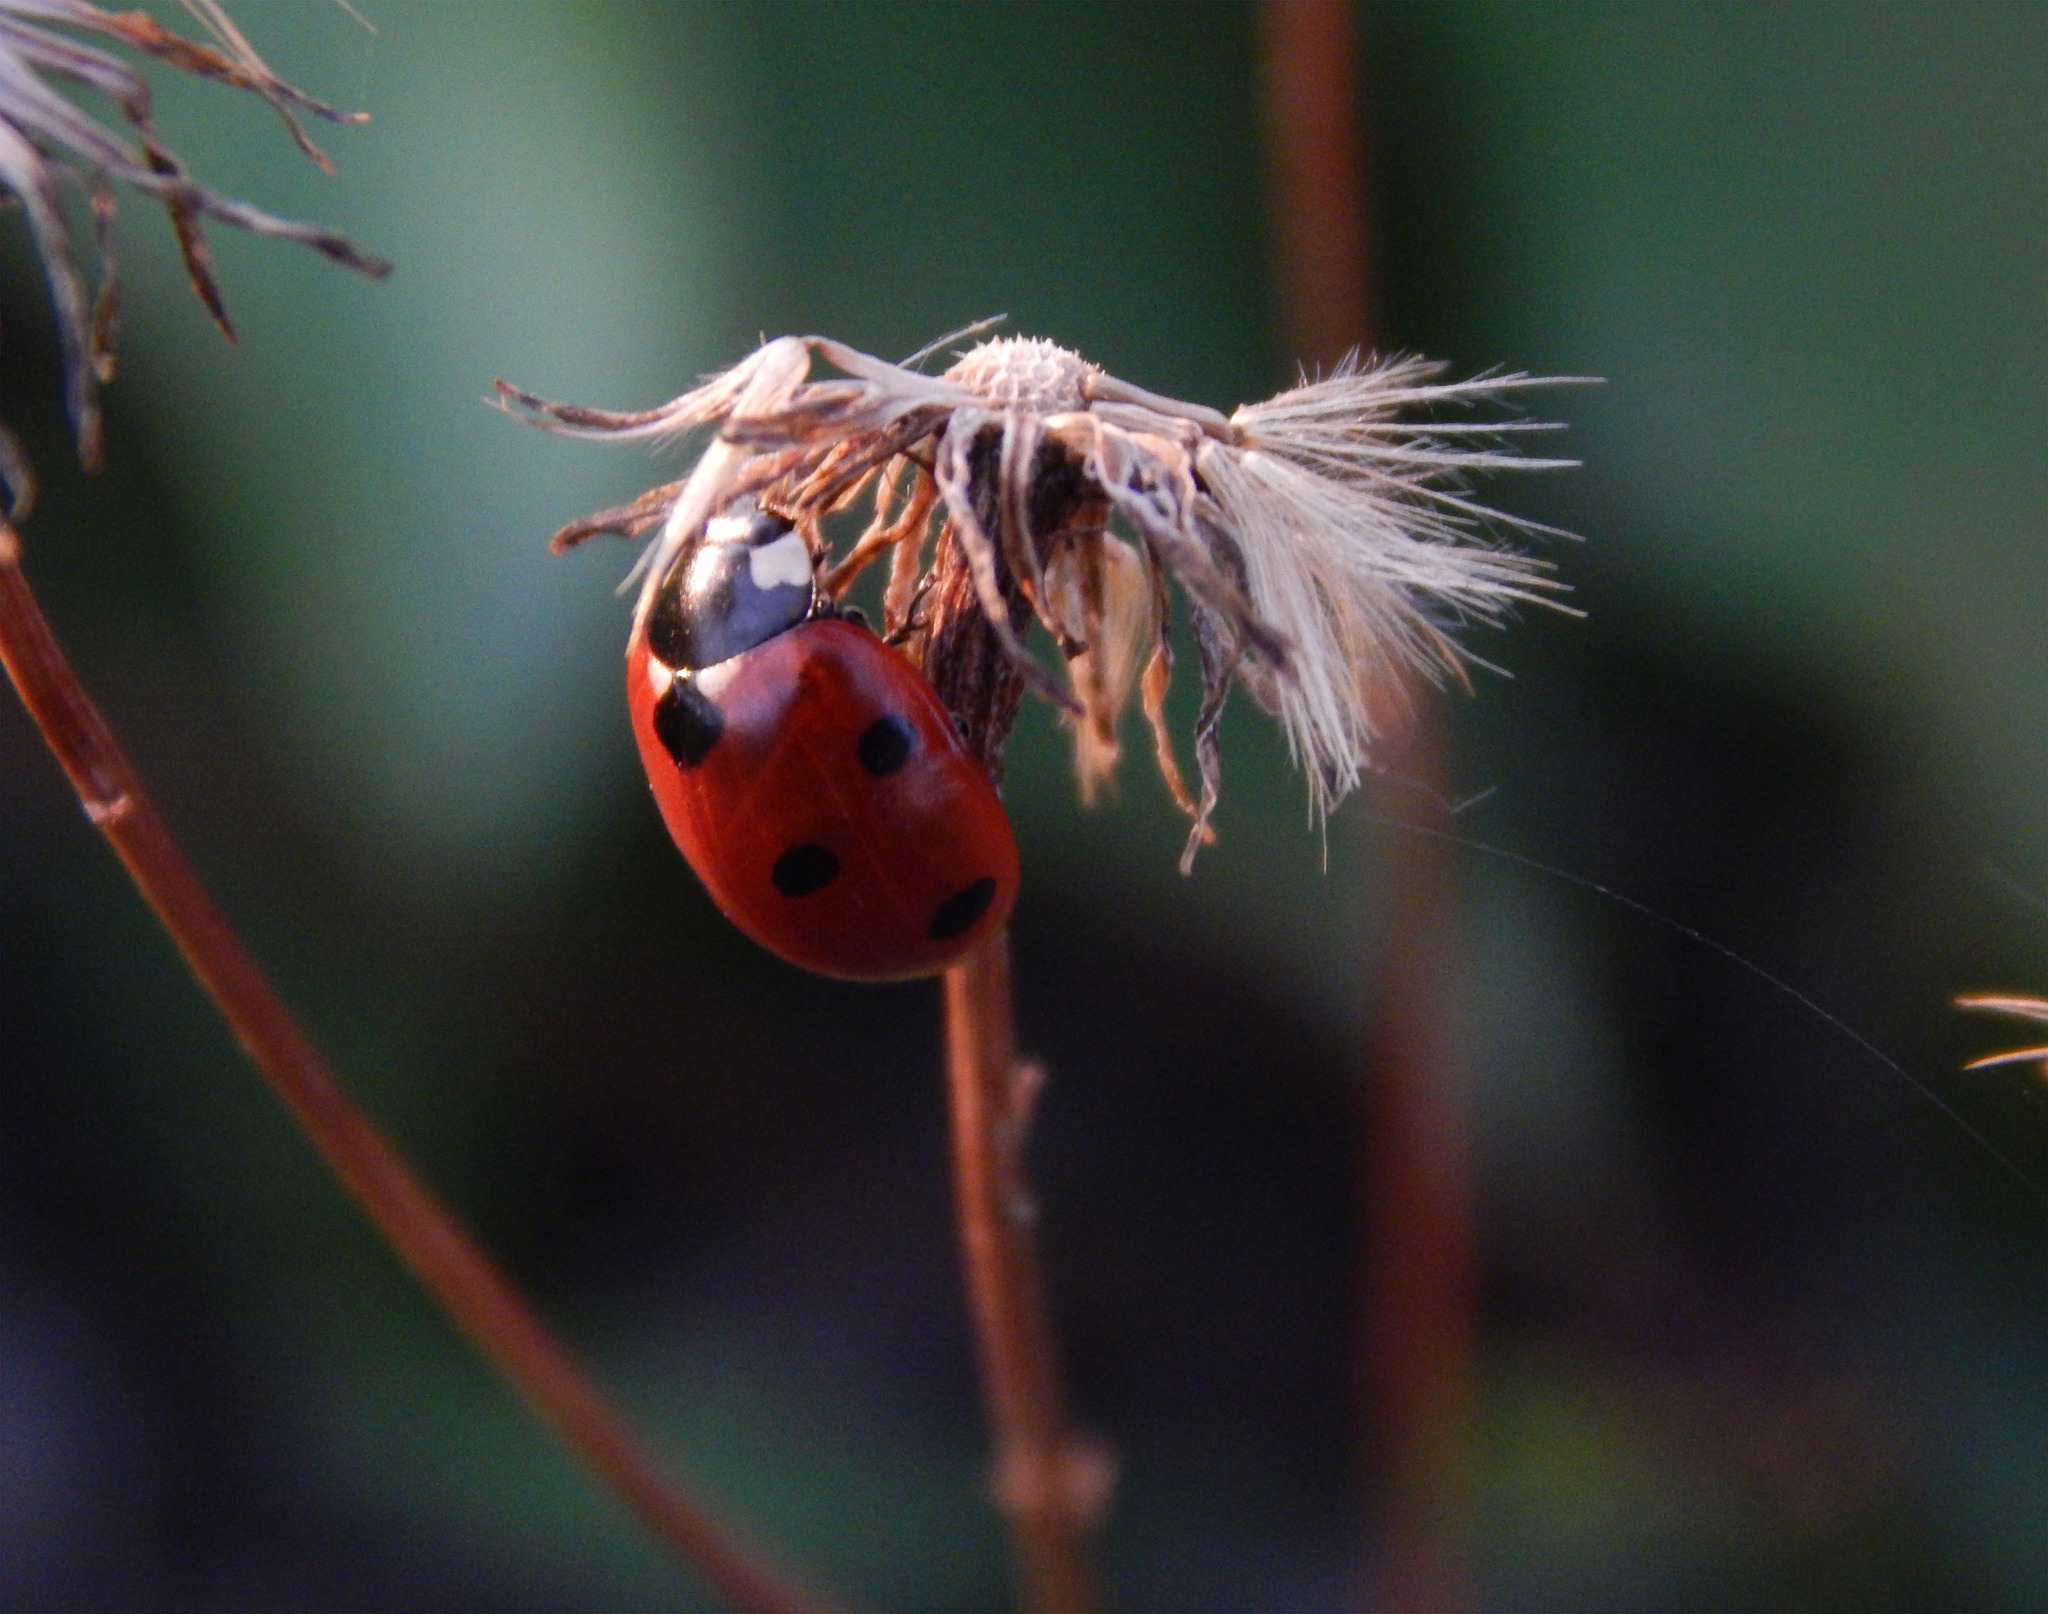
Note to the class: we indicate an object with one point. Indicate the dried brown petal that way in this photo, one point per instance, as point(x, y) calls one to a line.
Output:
point(37, 123)
point(627, 520)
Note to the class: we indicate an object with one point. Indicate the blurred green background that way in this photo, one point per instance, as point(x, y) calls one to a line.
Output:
point(1759, 1328)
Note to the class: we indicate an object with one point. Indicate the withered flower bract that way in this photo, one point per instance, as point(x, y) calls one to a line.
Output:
point(2020, 1008)
point(1325, 544)
point(46, 141)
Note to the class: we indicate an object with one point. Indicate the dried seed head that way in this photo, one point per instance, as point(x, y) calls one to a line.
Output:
point(1024, 372)
point(1325, 542)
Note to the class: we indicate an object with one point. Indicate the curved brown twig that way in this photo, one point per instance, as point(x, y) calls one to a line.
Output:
point(427, 1238)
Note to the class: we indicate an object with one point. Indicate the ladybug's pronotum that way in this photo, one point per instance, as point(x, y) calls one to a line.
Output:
point(1324, 547)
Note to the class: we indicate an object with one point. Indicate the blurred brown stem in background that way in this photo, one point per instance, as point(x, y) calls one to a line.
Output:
point(422, 1231)
point(1309, 52)
point(1416, 1277)
point(1415, 1240)
point(1050, 1482)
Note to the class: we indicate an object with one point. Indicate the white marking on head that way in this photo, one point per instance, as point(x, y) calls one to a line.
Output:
point(659, 677)
point(786, 563)
point(727, 529)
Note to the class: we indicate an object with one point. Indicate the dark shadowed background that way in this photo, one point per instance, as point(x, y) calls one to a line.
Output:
point(1760, 1328)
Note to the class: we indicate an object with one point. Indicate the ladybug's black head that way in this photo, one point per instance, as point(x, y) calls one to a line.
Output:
point(747, 579)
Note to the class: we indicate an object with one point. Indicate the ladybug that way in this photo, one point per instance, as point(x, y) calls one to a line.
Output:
point(808, 772)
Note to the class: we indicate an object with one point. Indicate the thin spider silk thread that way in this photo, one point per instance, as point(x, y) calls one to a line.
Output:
point(1700, 938)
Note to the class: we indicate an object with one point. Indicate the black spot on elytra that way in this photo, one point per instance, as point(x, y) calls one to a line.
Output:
point(687, 723)
point(957, 914)
point(803, 869)
point(884, 745)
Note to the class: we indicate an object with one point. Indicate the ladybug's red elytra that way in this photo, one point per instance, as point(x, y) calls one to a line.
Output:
point(807, 771)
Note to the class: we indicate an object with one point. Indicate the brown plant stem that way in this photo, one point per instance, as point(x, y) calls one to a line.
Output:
point(1309, 83)
point(427, 1238)
point(1415, 1274)
point(1050, 1482)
